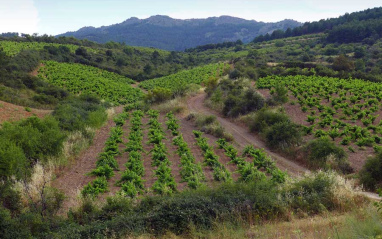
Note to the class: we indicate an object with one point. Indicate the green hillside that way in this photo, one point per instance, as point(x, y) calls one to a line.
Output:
point(80, 79)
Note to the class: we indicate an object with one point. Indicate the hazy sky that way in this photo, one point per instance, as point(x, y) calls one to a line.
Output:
point(58, 16)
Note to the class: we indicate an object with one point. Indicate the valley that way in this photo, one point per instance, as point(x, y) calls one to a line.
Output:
point(279, 136)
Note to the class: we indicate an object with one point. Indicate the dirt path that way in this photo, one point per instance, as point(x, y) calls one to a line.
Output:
point(74, 178)
point(243, 137)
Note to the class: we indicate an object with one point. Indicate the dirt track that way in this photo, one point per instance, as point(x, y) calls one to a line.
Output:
point(243, 137)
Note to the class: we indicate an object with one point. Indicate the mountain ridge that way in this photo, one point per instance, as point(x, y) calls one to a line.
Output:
point(164, 32)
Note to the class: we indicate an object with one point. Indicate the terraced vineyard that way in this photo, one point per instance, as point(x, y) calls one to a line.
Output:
point(186, 77)
point(12, 48)
point(159, 160)
point(347, 111)
point(80, 79)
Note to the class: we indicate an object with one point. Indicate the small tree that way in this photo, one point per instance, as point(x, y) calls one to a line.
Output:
point(342, 63)
point(280, 94)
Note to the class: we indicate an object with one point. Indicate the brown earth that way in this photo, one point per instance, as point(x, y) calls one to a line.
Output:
point(11, 112)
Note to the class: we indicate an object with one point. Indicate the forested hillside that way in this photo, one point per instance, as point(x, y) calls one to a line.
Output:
point(364, 26)
point(166, 33)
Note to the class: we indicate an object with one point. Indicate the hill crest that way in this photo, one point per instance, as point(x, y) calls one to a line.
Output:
point(168, 33)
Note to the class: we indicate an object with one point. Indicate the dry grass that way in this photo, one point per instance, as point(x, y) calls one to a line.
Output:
point(177, 106)
point(77, 141)
point(110, 113)
point(31, 190)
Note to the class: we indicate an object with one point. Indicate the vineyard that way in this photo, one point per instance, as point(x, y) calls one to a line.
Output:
point(12, 48)
point(347, 111)
point(81, 79)
point(159, 160)
point(186, 77)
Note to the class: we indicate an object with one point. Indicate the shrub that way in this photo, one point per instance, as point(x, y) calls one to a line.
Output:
point(266, 118)
point(321, 150)
point(38, 138)
point(281, 94)
point(75, 114)
point(371, 173)
point(12, 159)
point(97, 118)
point(236, 105)
point(158, 94)
point(283, 134)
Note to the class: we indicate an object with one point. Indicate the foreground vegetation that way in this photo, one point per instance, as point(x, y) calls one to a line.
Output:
point(252, 203)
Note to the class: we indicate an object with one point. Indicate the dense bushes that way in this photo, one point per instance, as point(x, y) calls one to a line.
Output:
point(283, 135)
point(244, 103)
point(25, 142)
point(158, 95)
point(323, 153)
point(77, 113)
point(371, 173)
point(200, 209)
point(234, 97)
point(266, 118)
point(276, 127)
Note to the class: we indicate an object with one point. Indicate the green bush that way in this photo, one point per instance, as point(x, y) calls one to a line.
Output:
point(12, 159)
point(244, 103)
point(317, 194)
point(75, 114)
point(281, 94)
point(318, 152)
point(97, 118)
point(38, 138)
point(371, 174)
point(158, 94)
point(283, 134)
point(266, 118)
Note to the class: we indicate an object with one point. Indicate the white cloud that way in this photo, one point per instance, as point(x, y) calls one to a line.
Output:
point(18, 16)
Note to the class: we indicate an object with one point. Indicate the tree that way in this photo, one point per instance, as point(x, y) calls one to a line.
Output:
point(148, 69)
point(342, 63)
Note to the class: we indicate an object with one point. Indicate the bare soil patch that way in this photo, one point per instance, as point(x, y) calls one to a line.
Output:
point(11, 112)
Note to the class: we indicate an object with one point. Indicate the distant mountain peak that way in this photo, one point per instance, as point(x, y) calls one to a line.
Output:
point(168, 33)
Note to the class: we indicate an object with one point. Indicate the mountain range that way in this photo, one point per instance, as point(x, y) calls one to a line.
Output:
point(174, 34)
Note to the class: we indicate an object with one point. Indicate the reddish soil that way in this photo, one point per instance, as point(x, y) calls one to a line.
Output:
point(74, 178)
point(11, 112)
point(35, 72)
point(243, 137)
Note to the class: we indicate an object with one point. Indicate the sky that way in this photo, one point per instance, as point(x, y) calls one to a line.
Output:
point(53, 17)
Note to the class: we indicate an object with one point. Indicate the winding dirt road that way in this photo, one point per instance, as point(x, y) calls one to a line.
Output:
point(243, 137)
